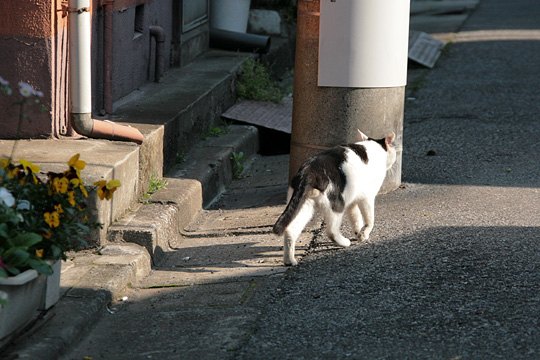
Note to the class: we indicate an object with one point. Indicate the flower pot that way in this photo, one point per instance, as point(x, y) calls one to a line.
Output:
point(28, 294)
point(231, 15)
point(25, 296)
point(52, 287)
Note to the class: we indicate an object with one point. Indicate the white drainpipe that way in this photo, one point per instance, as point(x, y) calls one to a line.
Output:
point(80, 35)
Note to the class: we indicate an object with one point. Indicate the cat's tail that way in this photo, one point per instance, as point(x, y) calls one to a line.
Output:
point(297, 199)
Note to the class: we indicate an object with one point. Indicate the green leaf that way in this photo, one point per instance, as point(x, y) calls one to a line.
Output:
point(28, 239)
point(13, 270)
point(40, 266)
point(56, 252)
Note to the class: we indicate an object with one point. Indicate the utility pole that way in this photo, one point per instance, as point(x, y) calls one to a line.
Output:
point(350, 73)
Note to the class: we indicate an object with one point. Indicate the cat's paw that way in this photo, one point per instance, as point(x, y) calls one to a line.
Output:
point(342, 241)
point(364, 233)
point(290, 262)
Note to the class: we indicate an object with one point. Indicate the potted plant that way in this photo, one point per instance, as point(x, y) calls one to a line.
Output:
point(42, 216)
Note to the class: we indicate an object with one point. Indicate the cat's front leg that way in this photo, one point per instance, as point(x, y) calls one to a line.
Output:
point(367, 207)
point(356, 219)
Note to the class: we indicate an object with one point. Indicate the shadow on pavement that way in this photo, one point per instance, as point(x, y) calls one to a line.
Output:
point(443, 292)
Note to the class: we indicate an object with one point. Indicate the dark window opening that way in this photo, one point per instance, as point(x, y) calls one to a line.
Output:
point(139, 19)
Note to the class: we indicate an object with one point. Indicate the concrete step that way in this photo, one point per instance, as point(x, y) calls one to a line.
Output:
point(104, 160)
point(172, 115)
point(176, 112)
point(201, 178)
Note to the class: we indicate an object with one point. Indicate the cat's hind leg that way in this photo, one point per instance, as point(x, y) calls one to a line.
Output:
point(294, 229)
point(367, 207)
point(333, 227)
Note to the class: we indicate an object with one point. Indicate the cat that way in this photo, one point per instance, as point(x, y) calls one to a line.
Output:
point(343, 179)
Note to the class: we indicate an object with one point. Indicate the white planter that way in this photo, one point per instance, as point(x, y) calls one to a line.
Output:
point(52, 288)
point(27, 294)
point(231, 15)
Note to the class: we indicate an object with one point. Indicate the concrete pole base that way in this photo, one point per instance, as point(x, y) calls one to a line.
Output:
point(334, 115)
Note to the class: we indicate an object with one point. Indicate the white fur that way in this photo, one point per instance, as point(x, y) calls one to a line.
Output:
point(363, 184)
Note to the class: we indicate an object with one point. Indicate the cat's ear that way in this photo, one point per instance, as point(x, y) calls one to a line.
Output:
point(390, 138)
point(361, 136)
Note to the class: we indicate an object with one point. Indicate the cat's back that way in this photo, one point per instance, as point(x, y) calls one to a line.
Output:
point(331, 161)
point(364, 168)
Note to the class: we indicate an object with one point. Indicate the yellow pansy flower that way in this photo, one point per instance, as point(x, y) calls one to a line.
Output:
point(113, 184)
point(39, 253)
point(83, 190)
point(101, 184)
point(52, 219)
point(74, 162)
point(60, 185)
point(58, 208)
point(71, 198)
point(29, 167)
point(106, 189)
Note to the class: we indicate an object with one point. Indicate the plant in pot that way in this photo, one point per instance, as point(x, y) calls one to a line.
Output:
point(42, 216)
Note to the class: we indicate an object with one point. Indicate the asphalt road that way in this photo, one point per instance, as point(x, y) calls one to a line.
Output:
point(452, 270)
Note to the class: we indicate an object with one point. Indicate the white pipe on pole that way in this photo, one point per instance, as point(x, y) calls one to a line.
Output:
point(79, 56)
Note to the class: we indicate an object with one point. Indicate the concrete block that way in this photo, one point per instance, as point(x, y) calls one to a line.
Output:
point(264, 22)
point(150, 226)
point(185, 195)
point(131, 255)
point(150, 156)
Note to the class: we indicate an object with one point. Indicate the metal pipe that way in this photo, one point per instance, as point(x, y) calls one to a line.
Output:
point(81, 80)
point(107, 55)
point(79, 56)
point(158, 34)
point(237, 41)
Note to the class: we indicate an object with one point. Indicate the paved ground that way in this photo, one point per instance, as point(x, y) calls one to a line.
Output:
point(452, 270)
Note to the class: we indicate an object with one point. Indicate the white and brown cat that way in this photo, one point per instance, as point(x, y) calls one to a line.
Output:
point(343, 179)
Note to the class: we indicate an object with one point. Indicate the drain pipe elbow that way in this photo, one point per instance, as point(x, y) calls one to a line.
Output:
point(80, 78)
point(104, 129)
point(158, 33)
point(82, 123)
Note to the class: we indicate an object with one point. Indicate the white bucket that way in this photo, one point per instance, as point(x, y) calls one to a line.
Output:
point(231, 15)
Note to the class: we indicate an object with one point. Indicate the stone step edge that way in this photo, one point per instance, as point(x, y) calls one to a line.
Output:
point(191, 186)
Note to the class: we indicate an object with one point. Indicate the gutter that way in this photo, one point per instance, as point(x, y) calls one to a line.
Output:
point(81, 81)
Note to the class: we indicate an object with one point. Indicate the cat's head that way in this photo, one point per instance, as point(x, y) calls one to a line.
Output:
point(387, 143)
